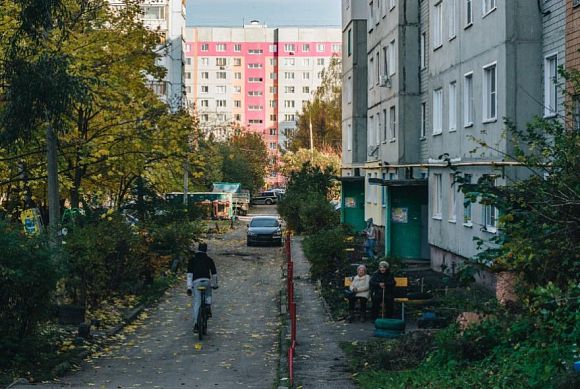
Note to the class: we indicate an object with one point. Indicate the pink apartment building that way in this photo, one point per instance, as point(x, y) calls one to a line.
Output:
point(255, 77)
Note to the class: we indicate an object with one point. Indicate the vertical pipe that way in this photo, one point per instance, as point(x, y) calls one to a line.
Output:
point(53, 196)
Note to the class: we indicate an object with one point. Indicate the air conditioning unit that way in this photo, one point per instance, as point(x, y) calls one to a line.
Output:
point(372, 150)
point(384, 80)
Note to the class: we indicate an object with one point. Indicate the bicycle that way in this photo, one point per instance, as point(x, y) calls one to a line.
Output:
point(203, 314)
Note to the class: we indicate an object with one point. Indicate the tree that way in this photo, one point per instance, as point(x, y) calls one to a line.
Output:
point(245, 160)
point(324, 112)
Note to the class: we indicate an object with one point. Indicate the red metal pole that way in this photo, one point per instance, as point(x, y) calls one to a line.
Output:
point(291, 365)
point(293, 323)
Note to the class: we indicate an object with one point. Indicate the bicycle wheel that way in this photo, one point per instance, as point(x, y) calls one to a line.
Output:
point(200, 316)
point(205, 317)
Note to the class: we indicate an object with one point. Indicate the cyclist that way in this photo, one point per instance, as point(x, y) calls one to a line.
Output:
point(201, 271)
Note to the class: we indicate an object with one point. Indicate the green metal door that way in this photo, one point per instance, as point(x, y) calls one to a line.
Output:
point(353, 204)
point(406, 221)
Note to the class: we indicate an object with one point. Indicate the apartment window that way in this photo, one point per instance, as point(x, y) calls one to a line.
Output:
point(392, 58)
point(273, 61)
point(237, 62)
point(204, 103)
point(370, 135)
point(320, 61)
point(452, 106)
point(306, 48)
point(306, 76)
point(220, 103)
point(289, 117)
point(255, 93)
point(349, 42)
point(467, 204)
point(305, 89)
point(437, 197)
point(273, 76)
point(273, 89)
point(306, 61)
point(392, 123)
point(550, 85)
point(378, 129)
point(437, 111)
point(289, 61)
point(319, 75)
point(423, 119)
point(273, 118)
point(336, 48)
point(488, 6)
point(273, 49)
point(238, 103)
point(220, 62)
point(188, 75)
point(320, 47)
point(368, 188)
point(237, 75)
point(289, 47)
point(288, 75)
point(272, 131)
point(204, 89)
point(204, 47)
point(452, 14)
point(468, 13)
point(220, 89)
point(237, 47)
point(385, 125)
point(237, 89)
point(255, 108)
point(438, 25)
point(289, 104)
point(204, 75)
point(255, 66)
point(349, 137)
point(255, 51)
point(220, 47)
point(272, 103)
point(452, 217)
point(238, 117)
point(289, 89)
point(255, 79)
point(255, 121)
point(153, 13)
point(422, 43)
point(205, 117)
point(490, 92)
point(468, 106)
point(188, 61)
point(490, 213)
point(204, 61)
point(378, 70)
point(220, 75)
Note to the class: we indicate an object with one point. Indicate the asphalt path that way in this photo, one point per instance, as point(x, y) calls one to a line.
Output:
point(160, 350)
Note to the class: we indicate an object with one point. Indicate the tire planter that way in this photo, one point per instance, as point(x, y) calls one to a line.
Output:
point(387, 334)
point(390, 324)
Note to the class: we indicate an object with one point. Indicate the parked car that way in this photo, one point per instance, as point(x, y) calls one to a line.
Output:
point(265, 229)
point(268, 198)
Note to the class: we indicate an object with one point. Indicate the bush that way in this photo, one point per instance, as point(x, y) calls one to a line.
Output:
point(326, 252)
point(28, 279)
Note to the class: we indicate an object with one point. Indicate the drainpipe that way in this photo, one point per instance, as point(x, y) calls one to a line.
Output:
point(388, 248)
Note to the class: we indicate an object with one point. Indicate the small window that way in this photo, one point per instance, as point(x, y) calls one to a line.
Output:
point(452, 103)
point(423, 119)
point(392, 123)
point(237, 47)
point(306, 48)
point(437, 196)
point(452, 217)
point(468, 13)
point(467, 204)
point(490, 93)
point(550, 85)
point(437, 111)
point(220, 47)
point(468, 100)
point(438, 25)
point(452, 18)
point(488, 6)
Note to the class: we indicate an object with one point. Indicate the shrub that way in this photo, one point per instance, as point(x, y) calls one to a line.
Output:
point(326, 252)
point(28, 279)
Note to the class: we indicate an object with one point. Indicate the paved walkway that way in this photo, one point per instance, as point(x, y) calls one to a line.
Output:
point(320, 362)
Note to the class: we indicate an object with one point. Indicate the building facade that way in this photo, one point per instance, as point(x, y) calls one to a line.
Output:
point(573, 57)
point(442, 75)
point(255, 77)
point(167, 17)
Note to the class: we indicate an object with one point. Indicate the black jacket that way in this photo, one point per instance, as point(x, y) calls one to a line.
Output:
point(386, 278)
point(201, 266)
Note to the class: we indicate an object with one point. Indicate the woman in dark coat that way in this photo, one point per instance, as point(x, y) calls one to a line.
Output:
point(382, 286)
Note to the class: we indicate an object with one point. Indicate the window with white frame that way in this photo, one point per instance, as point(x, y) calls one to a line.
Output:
point(255, 51)
point(204, 103)
point(289, 61)
point(387, 55)
point(368, 188)
point(452, 18)
point(255, 93)
point(467, 204)
point(422, 43)
point(204, 75)
point(205, 61)
point(468, 105)
point(371, 14)
point(370, 135)
point(273, 89)
point(255, 80)
point(220, 103)
point(306, 61)
point(220, 47)
point(438, 111)
point(320, 47)
point(289, 47)
point(452, 208)
point(438, 25)
point(423, 120)
point(349, 137)
point(378, 69)
point(237, 76)
point(376, 190)
point(237, 89)
point(289, 89)
point(488, 6)
point(289, 104)
point(255, 66)
point(220, 89)
point(238, 103)
point(204, 47)
point(370, 74)
point(237, 47)
point(378, 129)
point(306, 89)
point(490, 92)
point(392, 123)
point(305, 76)
point(273, 61)
point(452, 104)
point(272, 103)
point(204, 89)
point(490, 213)
point(392, 58)
point(437, 196)
point(237, 62)
point(550, 85)
point(220, 75)
point(221, 61)
point(288, 75)
point(273, 76)
point(320, 61)
point(468, 13)
point(306, 47)
point(273, 49)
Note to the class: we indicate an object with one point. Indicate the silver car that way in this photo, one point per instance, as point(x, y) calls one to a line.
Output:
point(265, 230)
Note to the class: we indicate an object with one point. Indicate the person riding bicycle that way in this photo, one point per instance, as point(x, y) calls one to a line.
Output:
point(201, 271)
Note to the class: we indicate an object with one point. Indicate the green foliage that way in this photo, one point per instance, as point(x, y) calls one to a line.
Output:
point(324, 113)
point(326, 252)
point(305, 206)
point(27, 283)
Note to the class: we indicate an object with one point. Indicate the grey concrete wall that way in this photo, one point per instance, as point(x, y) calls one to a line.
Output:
point(554, 31)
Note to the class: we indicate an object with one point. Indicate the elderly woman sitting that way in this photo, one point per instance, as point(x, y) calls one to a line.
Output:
point(360, 289)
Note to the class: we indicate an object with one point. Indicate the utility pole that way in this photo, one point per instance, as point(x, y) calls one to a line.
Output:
point(52, 184)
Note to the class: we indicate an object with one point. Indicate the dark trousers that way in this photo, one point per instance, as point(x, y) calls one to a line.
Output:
point(377, 310)
point(352, 305)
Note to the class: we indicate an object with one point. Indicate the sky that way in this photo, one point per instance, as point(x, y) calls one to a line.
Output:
point(271, 12)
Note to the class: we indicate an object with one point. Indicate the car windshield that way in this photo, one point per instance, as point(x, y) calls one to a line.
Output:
point(264, 223)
